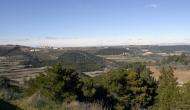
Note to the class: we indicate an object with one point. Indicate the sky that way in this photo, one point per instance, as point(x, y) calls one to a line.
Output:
point(66, 23)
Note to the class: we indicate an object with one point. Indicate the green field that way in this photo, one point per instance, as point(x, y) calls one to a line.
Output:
point(121, 58)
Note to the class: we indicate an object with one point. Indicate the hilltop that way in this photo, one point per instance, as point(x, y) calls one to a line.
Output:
point(83, 61)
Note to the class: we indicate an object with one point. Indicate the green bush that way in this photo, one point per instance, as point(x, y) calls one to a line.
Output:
point(131, 88)
point(59, 84)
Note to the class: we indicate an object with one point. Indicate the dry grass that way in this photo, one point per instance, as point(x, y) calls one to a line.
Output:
point(37, 102)
point(85, 106)
point(182, 75)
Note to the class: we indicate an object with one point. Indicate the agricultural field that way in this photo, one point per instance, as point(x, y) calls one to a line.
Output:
point(14, 71)
point(182, 75)
point(122, 58)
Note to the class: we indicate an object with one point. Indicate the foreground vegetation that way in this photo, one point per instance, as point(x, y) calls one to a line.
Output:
point(131, 87)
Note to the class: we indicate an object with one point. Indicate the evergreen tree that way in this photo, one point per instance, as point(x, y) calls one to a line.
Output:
point(133, 88)
point(167, 90)
point(184, 103)
point(59, 84)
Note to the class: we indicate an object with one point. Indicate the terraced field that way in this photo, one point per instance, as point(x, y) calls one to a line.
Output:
point(11, 68)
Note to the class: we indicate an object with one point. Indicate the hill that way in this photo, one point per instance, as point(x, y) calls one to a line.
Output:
point(82, 61)
point(14, 51)
point(111, 51)
point(20, 54)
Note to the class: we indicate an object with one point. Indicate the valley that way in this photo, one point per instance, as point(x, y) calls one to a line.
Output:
point(21, 63)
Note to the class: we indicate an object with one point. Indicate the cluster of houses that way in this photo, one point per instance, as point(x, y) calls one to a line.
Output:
point(148, 52)
point(45, 47)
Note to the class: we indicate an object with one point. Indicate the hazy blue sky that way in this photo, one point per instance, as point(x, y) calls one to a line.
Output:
point(94, 22)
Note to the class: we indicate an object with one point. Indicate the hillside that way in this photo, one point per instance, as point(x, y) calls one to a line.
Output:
point(82, 61)
point(7, 50)
point(111, 51)
point(20, 54)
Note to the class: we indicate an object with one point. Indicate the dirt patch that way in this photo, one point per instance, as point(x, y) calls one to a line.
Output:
point(181, 75)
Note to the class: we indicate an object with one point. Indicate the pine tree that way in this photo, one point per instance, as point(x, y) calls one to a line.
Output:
point(167, 90)
point(184, 103)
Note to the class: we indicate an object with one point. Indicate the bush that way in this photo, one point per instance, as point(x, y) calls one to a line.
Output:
point(130, 88)
point(59, 84)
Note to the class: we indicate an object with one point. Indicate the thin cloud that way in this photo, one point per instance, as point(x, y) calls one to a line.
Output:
point(187, 39)
point(24, 39)
point(48, 37)
point(152, 5)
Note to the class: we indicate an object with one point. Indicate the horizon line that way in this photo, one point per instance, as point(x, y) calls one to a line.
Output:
point(164, 44)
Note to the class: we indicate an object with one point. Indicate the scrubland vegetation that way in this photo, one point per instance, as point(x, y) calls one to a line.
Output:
point(131, 87)
point(183, 60)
